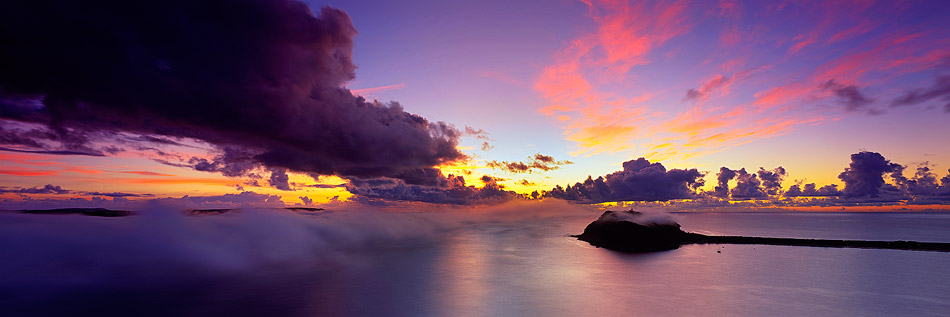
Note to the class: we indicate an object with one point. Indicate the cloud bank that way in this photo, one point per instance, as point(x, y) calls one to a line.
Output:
point(639, 180)
point(538, 162)
point(263, 94)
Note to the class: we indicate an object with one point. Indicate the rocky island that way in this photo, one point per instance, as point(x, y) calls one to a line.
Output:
point(632, 231)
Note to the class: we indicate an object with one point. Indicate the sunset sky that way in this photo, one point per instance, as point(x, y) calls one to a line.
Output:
point(588, 85)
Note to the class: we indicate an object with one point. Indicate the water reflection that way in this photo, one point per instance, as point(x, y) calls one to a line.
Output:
point(533, 268)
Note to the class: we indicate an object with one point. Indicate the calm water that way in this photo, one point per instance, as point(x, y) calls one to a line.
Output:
point(531, 267)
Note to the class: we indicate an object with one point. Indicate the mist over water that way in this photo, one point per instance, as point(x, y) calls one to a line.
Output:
point(504, 260)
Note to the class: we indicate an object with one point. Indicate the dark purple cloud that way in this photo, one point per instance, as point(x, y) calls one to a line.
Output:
point(51, 189)
point(538, 162)
point(279, 179)
point(771, 180)
point(640, 180)
point(812, 190)
point(747, 185)
point(865, 175)
point(923, 182)
point(849, 95)
point(47, 189)
point(940, 90)
point(723, 177)
point(454, 191)
point(259, 80)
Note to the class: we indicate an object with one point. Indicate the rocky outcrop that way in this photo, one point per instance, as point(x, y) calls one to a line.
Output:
point(631, 231)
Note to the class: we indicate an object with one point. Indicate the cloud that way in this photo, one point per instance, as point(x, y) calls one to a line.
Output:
point(924, 181)
point(607, 104)
point(718, 82)
point(538, 162)
point(849, 95)
point(371, 91)
point(453, 192)
point(639, 180)
point(771, 180)
point(47, 189)
point(525, 182)
point(811, 190)
point(491, 179)
point(271, 90)
point(939, 90)
point(51, 189)
point(864, 177)
point(723, 177)
point(243, 199)
point(279, 179)
point(747, 186)
point(116, 194)
point(477, 133)
point(44, 140)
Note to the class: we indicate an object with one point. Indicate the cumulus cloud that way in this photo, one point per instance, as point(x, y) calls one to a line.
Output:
point(639, 180)
point(940, 90)
point(264, 94)
point(812, 190)
point(747, 185)
point(865, 175)
point(538, 162)
point(923, 182)
point(771, 180)
point(279, 179)
point(723, 177)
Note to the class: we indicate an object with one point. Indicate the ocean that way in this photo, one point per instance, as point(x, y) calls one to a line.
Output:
point(372, 264)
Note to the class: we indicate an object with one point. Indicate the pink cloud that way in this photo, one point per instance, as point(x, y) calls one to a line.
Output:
point(372, 90)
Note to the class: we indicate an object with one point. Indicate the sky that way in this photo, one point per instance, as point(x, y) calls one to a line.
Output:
point(452, 102)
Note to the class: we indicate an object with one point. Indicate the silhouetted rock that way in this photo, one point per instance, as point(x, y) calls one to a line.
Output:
point(631, 231)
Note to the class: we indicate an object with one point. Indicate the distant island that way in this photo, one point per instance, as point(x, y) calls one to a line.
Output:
point(103, 212)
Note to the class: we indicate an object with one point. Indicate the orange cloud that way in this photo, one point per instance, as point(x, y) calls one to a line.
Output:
point(26, 172)
point(597, 120)
point(27, 159)
point(146, 173)
point(172, 181)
